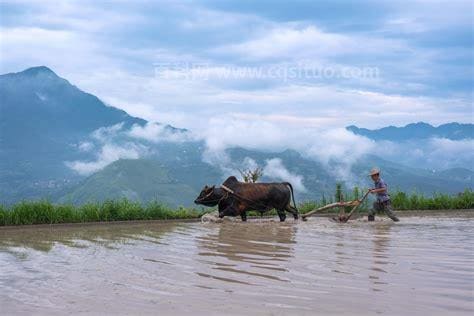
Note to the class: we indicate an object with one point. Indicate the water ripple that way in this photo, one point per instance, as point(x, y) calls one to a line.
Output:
point(420, 265)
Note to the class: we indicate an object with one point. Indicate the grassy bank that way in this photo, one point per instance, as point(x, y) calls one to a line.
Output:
point(439, 201)
point(44, 212)
point(403, 201)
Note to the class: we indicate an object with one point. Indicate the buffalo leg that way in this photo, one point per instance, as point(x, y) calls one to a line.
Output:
point(243, 215)
point(225, 211)
point(293, 210)
point(282, 215)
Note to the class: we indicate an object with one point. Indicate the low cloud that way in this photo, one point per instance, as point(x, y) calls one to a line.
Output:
point(106, 144)
point(116, 142)
point(107, 133)
point(434, 153)
point(272, 169)
point(447, 153)
point(275, 169)
point(154, 132)
point(107, 154)
point(336, 148)
point(85, 146)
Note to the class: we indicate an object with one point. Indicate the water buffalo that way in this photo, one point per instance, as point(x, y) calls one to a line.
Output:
point(236, 198)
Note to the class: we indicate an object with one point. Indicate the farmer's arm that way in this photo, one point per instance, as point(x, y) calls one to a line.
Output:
point(380, 190)
point(381, 187)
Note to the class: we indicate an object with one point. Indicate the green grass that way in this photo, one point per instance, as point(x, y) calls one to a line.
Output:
point(403, 201)
point(439, 201)
point(45, 212)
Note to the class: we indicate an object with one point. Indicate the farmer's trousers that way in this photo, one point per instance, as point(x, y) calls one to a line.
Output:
point(384, 206)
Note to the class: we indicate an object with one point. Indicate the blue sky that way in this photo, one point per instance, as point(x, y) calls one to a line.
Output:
point(421, 52)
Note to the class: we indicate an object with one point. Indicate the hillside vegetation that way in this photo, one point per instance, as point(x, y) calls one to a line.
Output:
point(138, 180)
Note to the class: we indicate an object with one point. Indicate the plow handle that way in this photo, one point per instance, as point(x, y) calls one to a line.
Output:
point(325, 207)
point(356, 206)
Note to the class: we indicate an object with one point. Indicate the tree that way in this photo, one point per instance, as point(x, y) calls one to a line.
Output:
point(251, 176)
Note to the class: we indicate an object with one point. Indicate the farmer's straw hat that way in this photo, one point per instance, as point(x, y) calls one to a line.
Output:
point(374, 170)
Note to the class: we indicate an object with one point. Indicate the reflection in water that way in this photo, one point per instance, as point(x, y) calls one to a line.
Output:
point(256, 250)
point(380, 255)
point(422, 265)
point(106, 235)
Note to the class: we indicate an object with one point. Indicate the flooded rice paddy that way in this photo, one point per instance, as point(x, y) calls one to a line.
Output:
point(422, 265)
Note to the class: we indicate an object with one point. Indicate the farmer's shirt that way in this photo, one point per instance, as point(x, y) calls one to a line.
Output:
point(382, 196)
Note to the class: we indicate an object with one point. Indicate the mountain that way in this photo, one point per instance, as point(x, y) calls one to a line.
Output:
point(44, 119)
point(457, 174)
point(411, 179)
point(179, 182)
point(37, 106)
point(138, 179)
point(320, 179)
point(42, 116)
point(453, 131)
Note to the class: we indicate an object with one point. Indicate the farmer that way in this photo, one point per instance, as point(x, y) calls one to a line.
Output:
point(383, 199)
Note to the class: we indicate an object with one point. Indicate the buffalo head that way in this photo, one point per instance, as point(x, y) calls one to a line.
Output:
point(209, 196)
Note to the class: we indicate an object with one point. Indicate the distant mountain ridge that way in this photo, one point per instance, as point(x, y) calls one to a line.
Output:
point(44, 119)
point(178, 184)
point(420, 130)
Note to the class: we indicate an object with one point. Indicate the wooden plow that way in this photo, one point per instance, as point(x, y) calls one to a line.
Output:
point(342, 218)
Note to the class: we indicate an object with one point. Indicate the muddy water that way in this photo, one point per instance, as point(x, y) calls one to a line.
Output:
point(422, 265)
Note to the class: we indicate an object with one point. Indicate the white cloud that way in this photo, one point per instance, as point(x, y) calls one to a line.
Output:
point(112, 56)
point(107, 154)
point(433, 153)
point(110, 145)
point(85, 146)
point(317, 141)
point(106, 133)
point(249, 164)
point(155, 133)
point(62, 50)
point(115, 142)
point(170, 101)
point(64, 37)
point(427, 15)
point(275, 169)
point(34, 35)
point(336, 148)
point(446, 153)
point(293, 41)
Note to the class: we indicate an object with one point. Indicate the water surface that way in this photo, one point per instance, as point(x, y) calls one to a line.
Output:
point(422, 265)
